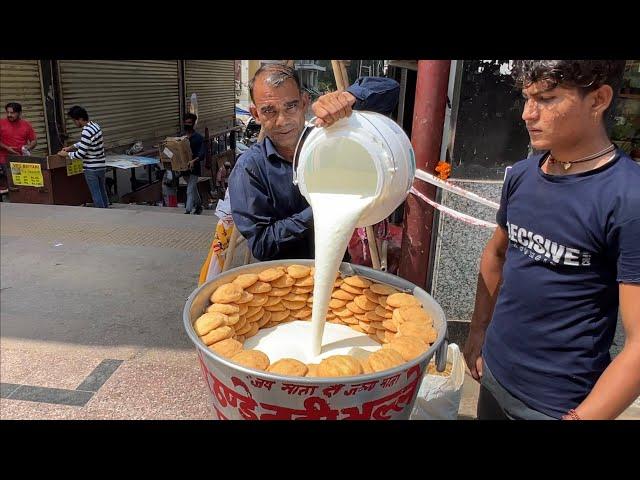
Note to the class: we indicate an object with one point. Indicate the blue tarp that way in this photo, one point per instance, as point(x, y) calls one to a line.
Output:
point(241, 111)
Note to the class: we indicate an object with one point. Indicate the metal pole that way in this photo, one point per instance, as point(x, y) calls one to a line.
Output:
point(53, 115)
point(403, 93)
point(426, 137)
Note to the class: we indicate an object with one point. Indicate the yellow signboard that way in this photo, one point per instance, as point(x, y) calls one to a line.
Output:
point(27, 174)
point(74, 167)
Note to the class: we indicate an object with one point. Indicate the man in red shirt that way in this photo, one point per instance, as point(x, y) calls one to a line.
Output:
point(15, 134)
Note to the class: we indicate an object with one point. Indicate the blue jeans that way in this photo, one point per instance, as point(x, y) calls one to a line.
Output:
point(193, 196)
point(96, 182)
point(496, 403)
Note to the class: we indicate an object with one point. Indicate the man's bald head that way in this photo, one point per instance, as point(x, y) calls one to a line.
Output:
point(274, 75)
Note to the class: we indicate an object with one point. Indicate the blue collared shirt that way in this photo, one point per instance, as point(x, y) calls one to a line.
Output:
point(267, 208)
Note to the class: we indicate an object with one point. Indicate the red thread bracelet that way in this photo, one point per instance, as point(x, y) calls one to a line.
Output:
point(571, 415)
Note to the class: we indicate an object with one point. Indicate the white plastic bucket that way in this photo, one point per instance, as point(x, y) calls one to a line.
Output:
point(391, 158)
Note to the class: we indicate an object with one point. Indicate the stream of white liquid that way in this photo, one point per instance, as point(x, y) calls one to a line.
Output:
point(342, 183)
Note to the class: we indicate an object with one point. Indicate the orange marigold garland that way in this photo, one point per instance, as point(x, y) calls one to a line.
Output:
point(444, 170)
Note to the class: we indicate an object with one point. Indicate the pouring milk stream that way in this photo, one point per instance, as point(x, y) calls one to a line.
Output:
point(353, 173)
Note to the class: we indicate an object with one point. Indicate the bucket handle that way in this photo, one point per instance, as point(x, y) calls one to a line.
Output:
point(296, 153)
point(441, 353)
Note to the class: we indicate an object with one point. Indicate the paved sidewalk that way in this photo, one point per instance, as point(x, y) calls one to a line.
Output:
point(90, 307)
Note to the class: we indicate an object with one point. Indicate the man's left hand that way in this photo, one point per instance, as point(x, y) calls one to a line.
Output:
point(63, 153)
point(331, 107)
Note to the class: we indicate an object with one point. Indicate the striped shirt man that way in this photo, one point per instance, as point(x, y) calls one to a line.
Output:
point(90, 148)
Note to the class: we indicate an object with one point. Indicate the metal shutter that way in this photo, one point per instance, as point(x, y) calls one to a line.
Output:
point(130, 99)
point(213, 83)
point(20, 81)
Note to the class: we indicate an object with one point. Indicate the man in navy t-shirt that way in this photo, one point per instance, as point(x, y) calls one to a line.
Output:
point(563, 261)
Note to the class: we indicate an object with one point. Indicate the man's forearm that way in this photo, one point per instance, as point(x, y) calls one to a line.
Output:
point(32, 144)
point(489, 280)
point(376, 94)
point(617, 387)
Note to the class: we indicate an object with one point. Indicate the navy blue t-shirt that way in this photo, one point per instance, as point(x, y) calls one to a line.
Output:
point(198, 149)
point(572, 238)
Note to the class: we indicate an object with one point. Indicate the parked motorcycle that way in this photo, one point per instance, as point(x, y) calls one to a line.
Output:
point(251, 132)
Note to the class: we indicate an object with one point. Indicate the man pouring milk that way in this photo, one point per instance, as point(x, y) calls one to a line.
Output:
point(268, 209)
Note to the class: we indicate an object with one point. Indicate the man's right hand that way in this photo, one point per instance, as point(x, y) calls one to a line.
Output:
point(472, 352)
point(11, 150)
point(331, 107)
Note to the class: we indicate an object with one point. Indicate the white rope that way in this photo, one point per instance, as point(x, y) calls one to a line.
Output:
point(455, 214)
point(427, 177)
